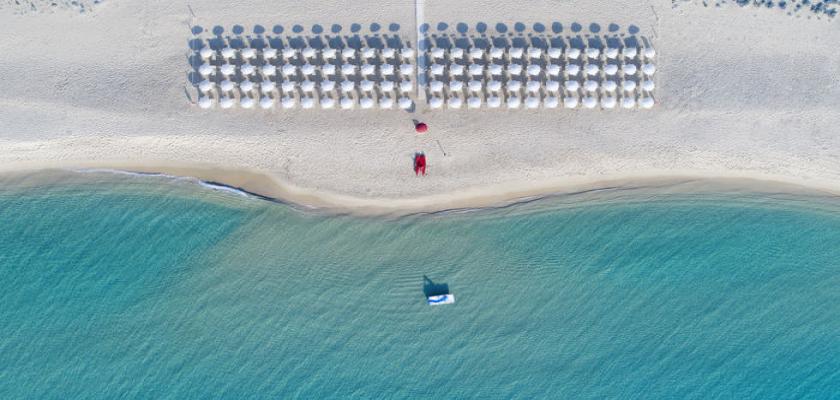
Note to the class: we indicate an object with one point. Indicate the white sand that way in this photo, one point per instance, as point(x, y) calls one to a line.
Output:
point(749, 93)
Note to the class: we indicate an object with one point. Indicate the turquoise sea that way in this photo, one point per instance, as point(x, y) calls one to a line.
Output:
point(119, 286)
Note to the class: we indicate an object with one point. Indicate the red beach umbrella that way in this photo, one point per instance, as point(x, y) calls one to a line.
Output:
point(421, 127)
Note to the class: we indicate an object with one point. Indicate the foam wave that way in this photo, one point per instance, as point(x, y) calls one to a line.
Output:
point(206, 184)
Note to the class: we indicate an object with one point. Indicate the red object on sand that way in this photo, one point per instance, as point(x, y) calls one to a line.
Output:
point(420, 164)
point(421, 127)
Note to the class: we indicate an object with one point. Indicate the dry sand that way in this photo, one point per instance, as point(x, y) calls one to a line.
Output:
point(742, 92)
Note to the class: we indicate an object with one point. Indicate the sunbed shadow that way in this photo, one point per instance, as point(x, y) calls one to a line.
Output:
point(434, 289)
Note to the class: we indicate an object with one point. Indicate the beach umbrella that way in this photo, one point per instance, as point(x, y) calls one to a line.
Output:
point(246, 86)
point(386, 86)
point(456, 52)
point(388, 53)
point(552, 86)
point(287, 86)
point(206, 69)
point(368, 52)
point(225, 102)
point(593, 53)
point(327, 69)
point(611, 52)
point(592, 69)
point(248, 53)
point(534, 70)
point(476, 53)
point(570, 101)
point(327, 86)
point(407, 53)
point(532, 102)
point(514, 102)
point(205, 102)
point(476, 69)
point(347, 103)
point(648, 86)
point(456, 70)
point(629, 86)
point(366, 85)
point(327, 102)
point(205, 86)
point(609, 85)
point(608, 102)
point(551, 102)
point(206, 52)
point(437, 53)
point(246, 102)
point(497, 52)
point(406, 69)
point(435, 102)
point(649, 53)
point(266, 102)
point(589, 102)
point(454, 102)
point(227, 69)
point(307, 102)
point(328, 54)
point(572, 86)
point(534, 52)
point(406, 86)
point(493, 102)
point(494, 85)
point(228, 52)
point(572, 53)
point(475, 85)
point(533, 86)
point(572, 69)
point(307, 69)
point(386, 102)
point(226, 85)
point(495, 69)
point(307, 86)
point(628, 69)
point(368, 69)
point(247, 69)
point(554, 52)
point(456, 86)
point(590, 86)
point(266, 86)
point(288, 69)
point(516, 52)
point(348, 86)
point(308, 52)
point(268, 70)
point(646, 102)
point(436, 86)
point(348, 69)
point(288, 53)
point(553, 70)
point(514, 69)
point(610, 69)
point(629, 52)
point(269, 53)
point(386, 69)
point(436, 69)
point(514, 86)
point(348, 53)
point(648, 69)
point(628, 102)
point(474, 102)
point(287, 102)
point(405, 103)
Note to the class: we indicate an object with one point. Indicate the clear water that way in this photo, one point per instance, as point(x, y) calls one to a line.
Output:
point(129, 287)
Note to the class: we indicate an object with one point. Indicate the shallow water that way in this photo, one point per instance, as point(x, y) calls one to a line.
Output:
point(144, 287)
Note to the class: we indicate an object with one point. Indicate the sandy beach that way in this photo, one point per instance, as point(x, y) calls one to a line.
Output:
point(742, 92)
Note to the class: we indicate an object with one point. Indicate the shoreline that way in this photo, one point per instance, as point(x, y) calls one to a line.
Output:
point(263, 186)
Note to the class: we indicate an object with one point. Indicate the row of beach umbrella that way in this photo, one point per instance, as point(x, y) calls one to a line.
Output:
point(306, 102)
point(533, 101)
